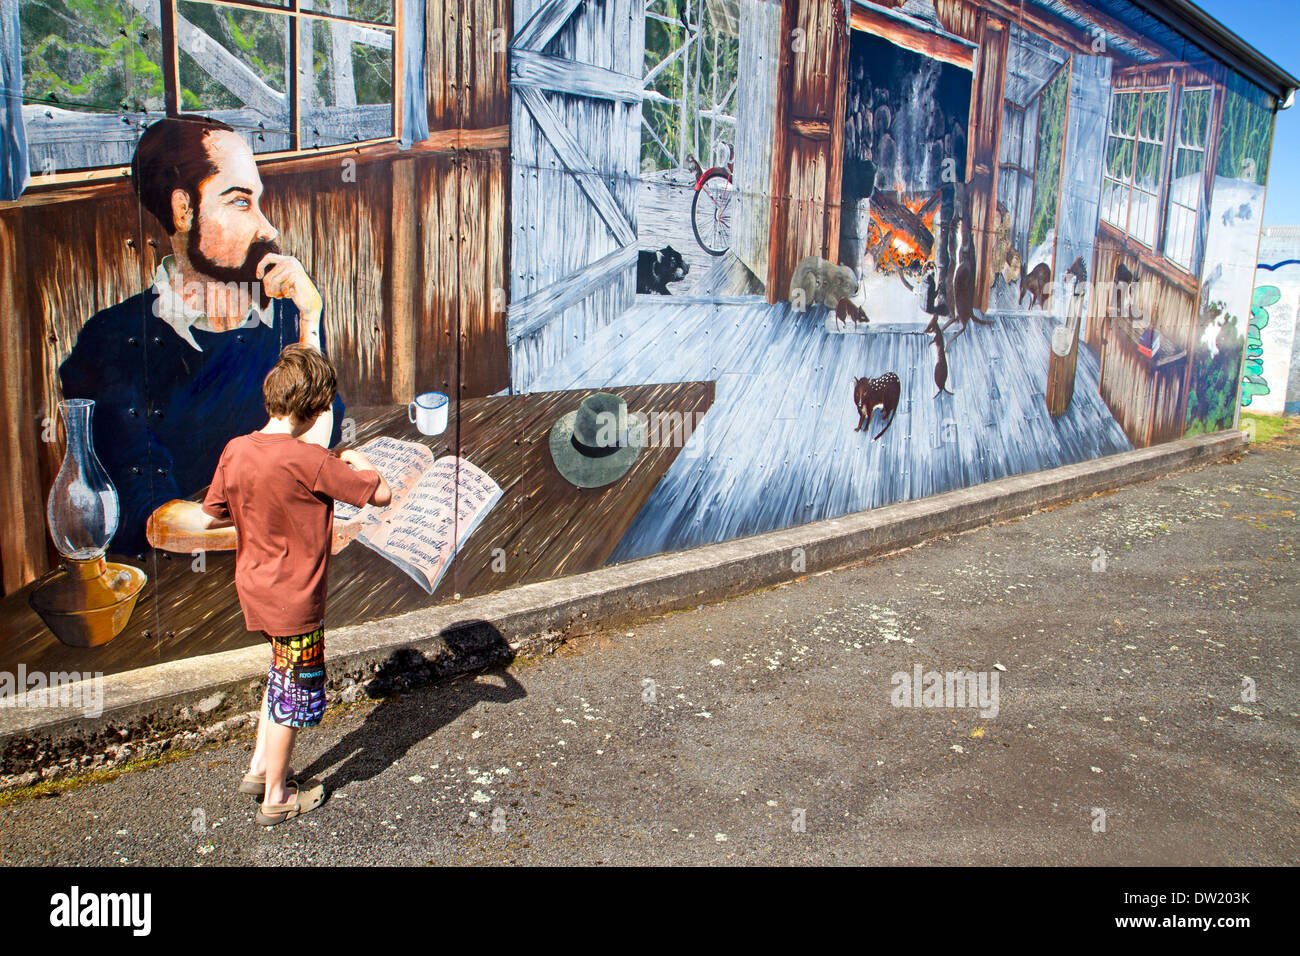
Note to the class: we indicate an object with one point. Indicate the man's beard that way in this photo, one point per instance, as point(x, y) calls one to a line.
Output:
point(245, 273)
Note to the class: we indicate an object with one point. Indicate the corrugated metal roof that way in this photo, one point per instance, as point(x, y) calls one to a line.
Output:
point(1185, 29)
point(1147, 26)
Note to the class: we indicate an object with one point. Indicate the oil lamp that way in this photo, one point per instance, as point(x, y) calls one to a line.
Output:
point(88, 601)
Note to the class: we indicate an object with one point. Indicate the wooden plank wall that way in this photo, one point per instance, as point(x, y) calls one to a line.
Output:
point(985, 139)
point(760, 51)
point(1149, 402)
point(808, 154)
point(463, 201)
point(466, 63)
point(22, 533)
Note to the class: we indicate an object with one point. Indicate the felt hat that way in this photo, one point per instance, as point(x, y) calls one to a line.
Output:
point(597, 442)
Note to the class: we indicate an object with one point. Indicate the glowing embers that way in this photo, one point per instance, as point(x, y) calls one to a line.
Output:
point(900, 237)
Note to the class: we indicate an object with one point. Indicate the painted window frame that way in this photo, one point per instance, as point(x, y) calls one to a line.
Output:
point(1135, 140)
point(1192, 213)
point(1177, 78)
point(1023, 175)
point(291, 9)
point(1027, 176)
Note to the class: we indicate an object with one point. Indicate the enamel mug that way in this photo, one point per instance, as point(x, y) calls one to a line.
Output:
point(429, 413)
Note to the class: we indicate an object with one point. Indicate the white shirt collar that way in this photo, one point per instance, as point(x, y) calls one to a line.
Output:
point(171, 307)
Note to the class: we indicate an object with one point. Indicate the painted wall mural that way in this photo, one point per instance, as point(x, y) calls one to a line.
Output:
point(1228, 272)
point(600, 280)
point(1271, 379)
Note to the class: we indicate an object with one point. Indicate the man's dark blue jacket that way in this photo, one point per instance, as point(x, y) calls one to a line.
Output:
point(163, 411)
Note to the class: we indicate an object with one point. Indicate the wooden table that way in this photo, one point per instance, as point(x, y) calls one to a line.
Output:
point(542, 527)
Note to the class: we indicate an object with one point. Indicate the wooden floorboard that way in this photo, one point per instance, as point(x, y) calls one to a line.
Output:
point(778, 448)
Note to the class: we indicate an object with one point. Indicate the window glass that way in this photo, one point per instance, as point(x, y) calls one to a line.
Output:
point(349, 97)
point(92, 71)
point(1186, 185)
point(233, 67)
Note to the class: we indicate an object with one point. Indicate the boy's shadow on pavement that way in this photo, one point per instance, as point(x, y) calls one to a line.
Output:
point(403, 720)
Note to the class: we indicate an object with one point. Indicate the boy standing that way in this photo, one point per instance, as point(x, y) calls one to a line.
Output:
point(279, 494)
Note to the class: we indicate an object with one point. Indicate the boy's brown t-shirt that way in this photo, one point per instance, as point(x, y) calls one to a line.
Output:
point(280, 493)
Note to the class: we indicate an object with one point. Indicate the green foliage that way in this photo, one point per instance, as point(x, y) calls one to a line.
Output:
point(1267, 427)
point(708, 68)
point(1215, 379)
point(1051, 145)
point(102, 55)
point(90, 54)
point(1247, 137)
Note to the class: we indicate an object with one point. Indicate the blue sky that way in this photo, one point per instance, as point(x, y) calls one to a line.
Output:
point(1273, 28)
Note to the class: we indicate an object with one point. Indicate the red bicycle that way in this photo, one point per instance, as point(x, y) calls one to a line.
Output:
point(711, 215)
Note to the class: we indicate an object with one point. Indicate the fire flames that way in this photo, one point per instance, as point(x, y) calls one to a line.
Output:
point(900, 253)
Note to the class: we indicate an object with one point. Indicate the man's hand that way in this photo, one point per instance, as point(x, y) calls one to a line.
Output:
point(283, 277)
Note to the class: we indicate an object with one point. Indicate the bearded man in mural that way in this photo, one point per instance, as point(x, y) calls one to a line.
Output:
point(176, 371)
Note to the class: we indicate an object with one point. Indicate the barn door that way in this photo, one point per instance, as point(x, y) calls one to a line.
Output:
point(1080, 202)
point(575, 139)
point(808, 155)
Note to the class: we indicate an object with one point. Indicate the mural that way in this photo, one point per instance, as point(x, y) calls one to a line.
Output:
point(599, 280)
point(1271, 383)
point(1228, 273)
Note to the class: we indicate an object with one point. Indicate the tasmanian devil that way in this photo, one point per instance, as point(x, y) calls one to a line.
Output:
point(654, 270)
point(870, 392)
point(1126, 282)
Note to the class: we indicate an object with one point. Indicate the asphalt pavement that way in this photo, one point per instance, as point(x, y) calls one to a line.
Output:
point(1131, 666)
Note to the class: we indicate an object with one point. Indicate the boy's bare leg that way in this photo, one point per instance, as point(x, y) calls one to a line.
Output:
point(279, 748)
point(257, 766)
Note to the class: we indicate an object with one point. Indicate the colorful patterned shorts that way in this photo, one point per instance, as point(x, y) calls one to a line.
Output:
point(295, 684)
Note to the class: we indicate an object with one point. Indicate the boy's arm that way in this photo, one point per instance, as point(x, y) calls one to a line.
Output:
point(180, 525)
point(210, 523)
point(357, 488)
point(383, 494)
point(216, 506)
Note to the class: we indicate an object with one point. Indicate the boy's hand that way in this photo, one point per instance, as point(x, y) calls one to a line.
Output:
point(383, 495)
point(357, 460)
point(183, 527)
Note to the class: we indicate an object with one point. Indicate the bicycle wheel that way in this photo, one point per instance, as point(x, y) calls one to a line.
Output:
point(712, 210)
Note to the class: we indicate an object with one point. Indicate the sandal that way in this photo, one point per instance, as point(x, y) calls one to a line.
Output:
point(254, 784)
point(304, 800)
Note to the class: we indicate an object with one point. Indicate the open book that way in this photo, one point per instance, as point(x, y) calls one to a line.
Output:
point(436, 506)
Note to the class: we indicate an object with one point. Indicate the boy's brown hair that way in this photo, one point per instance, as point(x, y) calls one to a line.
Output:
point(301, 385)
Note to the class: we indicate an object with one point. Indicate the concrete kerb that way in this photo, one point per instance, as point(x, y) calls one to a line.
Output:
point(192, 701)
